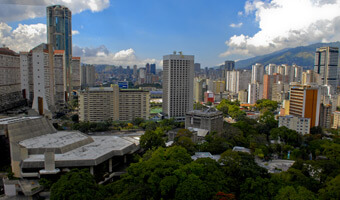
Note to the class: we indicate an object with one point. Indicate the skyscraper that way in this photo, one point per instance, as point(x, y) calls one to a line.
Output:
point(153, 68)
point(229, 65)
point(178, 79)
point(59, 36)
point(326, 64)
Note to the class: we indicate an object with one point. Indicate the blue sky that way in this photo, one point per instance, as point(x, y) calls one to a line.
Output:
point(140, 31)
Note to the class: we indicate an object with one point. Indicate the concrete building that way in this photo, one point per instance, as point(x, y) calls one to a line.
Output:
point(37, 149)
point(326, 64)
point(271, 69)
point(75, 67)
point(336, 120)
point(111, 103)
point(59, 37)
point(299, 124)
point(257, 72)
point(178, 79)
point(200, 87)
point(218, 87)
point(26, 74)
point(279, 91)
point(87, 76)
point(255, 92)
point(325, 115)
point(237, 80)
point(243, 96)
point(305, 102)
point(310, 77)
point(297, 73)
point(197, 67)
point(11, 95)
point(229, 65)
point(210, 119)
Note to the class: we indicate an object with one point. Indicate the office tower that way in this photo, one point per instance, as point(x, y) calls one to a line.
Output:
point(59, 81)
point(243, 96)
point(326, 64)
point(87, 76)
point(153, 68)
point(178, 79)
point(257, 72)
point(271, 69)
point(289, 73)
point(59, 36)
point(148, 68)
point(197, 67)
point(268, 82)
point(229, 65)
point(75, 66)
point(111, 103)
point(142, 75)
point(299, 124)
point(305, 102)
point(218, 87)
point(279, 91)
point(10, 86)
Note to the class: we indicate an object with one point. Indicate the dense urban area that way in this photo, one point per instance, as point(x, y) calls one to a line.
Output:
point(70, 130)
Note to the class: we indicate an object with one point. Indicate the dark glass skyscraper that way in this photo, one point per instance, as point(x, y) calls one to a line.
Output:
point(153, 68)
point(59, 35)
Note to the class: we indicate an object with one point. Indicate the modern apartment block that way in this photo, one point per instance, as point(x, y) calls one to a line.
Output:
point(257, 72)
point(10, 85)
point(305, 103)
point(178, 79)
point(59, 36)
point(237, 80)
point(199, 88)
point(336, 120)
point(87, 76)
point(75, 67)
point(326, 64)
point(111, 103)
point(299, 124)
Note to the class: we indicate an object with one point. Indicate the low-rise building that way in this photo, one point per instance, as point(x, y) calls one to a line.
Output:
point(299, 124)
point(336, 120)
point(210, 119)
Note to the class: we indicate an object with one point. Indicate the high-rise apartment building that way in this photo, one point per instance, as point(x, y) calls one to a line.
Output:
point(199, 89)
point(257, 72)
point(178, 79)
point(153, 68)
point(111, 103)
point(237, 80)
point(197, 67)
point(243, 96)
point(10, 87)
point(255, 92)
point(326, 64)
point(305, 102)
point(299, 124)
point(309, 77)
point(229, 65)
point(75, 67)
point(271, 69)
point(59, 36)
point(87, 76)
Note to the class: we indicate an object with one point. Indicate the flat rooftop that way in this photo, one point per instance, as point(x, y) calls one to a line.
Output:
point(54, 140)
point(10, 120)
point(94, 153)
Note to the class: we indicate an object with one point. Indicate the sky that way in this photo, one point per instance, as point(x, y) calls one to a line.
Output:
point(128, 32)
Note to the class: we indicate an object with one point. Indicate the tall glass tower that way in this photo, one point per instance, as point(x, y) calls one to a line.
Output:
point(59, 36)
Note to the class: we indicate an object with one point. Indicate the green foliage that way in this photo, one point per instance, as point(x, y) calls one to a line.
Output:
point(152, 139)
point(257, 189)
point(46, 183)
point(184, 138)
point(75, 118)
point(191, 188)
point(76, 184)
point(290, 192)
point(266, 105)
point(231, 108)
point(316, 130)
point(137, 121)
point(332, 189)
point(286, 135)
point(91, 126)
point(215, 144)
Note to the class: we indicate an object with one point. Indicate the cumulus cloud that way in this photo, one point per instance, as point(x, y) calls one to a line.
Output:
point(16, 10)
point(75, 32)
point(24, 37)
point(287, 23)
point(236, 25)
point(101, 55)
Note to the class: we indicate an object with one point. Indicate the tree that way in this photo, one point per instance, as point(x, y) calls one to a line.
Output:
point(258, 188)
point(76, 184)
point(137, 121)
point(332, 189)
point(152, 139)
point(75, 118)
point(290, 192)
point(191, 189)
point(266, 105)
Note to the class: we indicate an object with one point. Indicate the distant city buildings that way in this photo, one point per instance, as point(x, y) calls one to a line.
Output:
point(326, 64)
point(87, 76)
point(178, 79)
point(209, 119)
point(299, 124)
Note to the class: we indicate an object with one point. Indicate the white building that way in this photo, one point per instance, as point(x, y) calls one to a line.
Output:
point(178, 79)
point(237, 80)
point(87, 76)
point(255, 92)
point(257, 72)
point(299, 124)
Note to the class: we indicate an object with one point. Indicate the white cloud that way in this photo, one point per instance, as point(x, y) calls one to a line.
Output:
point(287, 23)
point(24, 37)
point(75, 32)
point(236, 25)
point(240, 13)
point(28, 9)
point(101, 55)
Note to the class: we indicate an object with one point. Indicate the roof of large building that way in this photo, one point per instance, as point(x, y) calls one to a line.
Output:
point(208, 112)
point(7, 51)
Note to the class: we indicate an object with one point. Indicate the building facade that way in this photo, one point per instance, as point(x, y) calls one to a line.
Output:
point(210, 119)
point(178, 79)
point(87, 76)
point(326, 64)
point(299, 124)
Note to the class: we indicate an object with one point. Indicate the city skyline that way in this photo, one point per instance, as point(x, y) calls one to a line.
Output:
point(141, 32)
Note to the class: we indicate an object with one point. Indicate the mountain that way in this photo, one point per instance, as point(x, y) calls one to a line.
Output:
point(301, 56)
